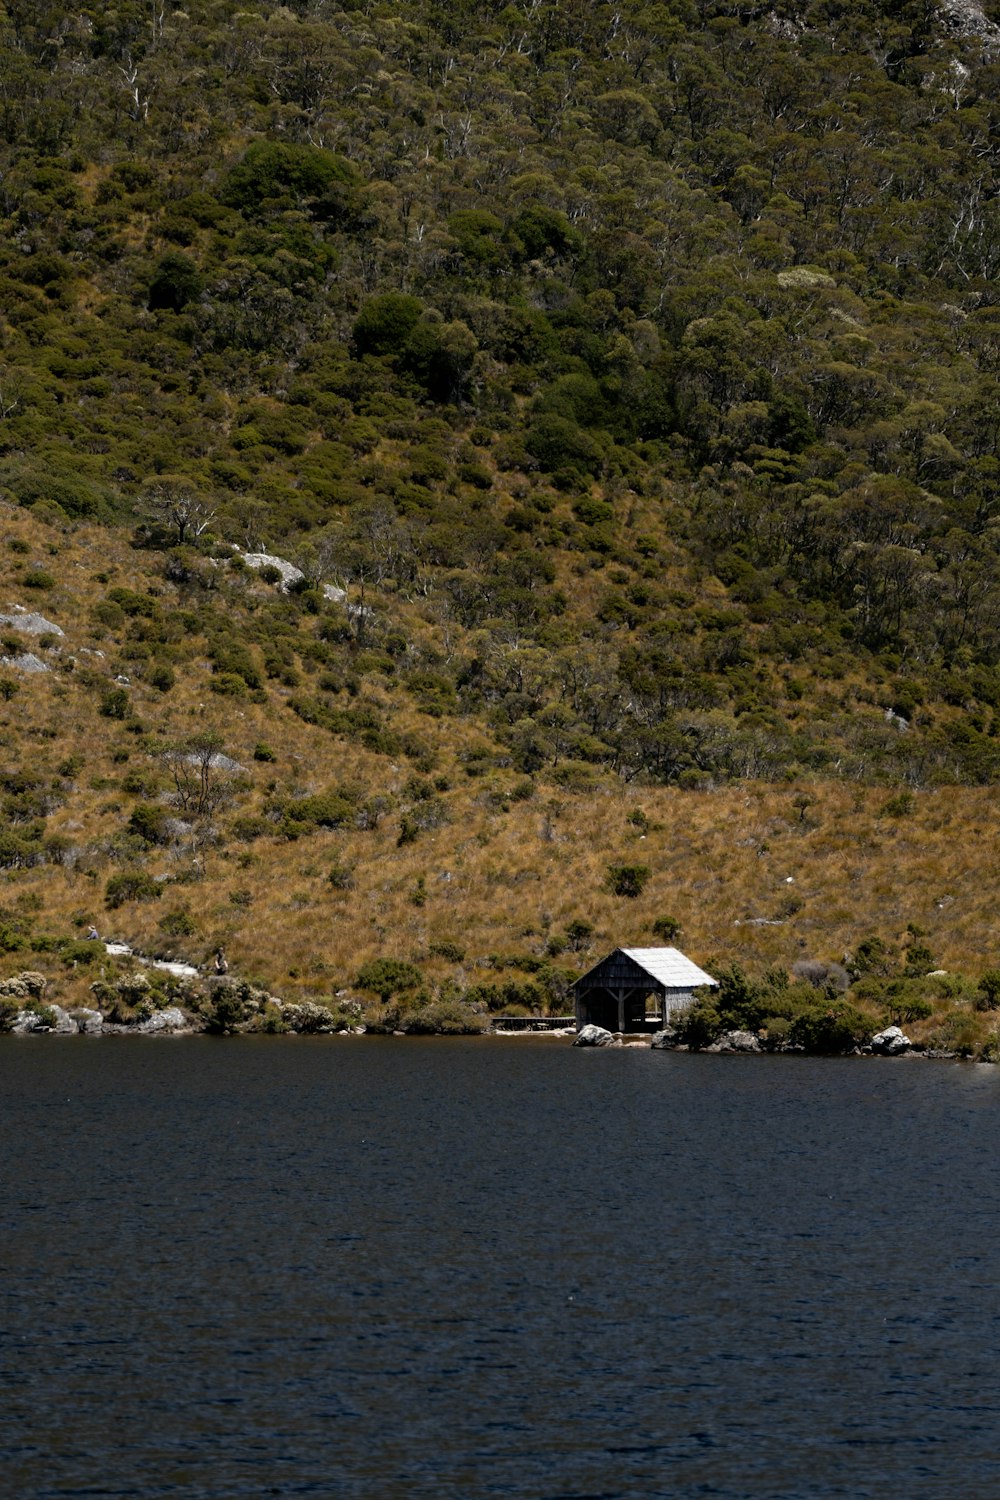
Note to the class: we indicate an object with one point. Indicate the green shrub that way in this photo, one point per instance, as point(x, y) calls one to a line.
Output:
point(325, 810)
point(226, 1010)
point(229, 685)
point(178, 923)
point(871, 956)
point(38, 578)
point(451, 952)
point(175, 282)
point(988, 993)
point(668, 929)
point(271, 169)
point(902, 1001)
point(627, 880)
point(387, 977)
point(899, 806)
point(106, 612)
point(116, 703)
point(131, 885)
point(130, 602)
point(443, 1018)
point(231, 658)
point(385, 323)
point(963, 1031)
point(148, 820)
point(249, 827)
point(699, 1025)
point(21, 849)
point(835, 1028)
point(140, 783)
point(81, 952)
point(579, 932)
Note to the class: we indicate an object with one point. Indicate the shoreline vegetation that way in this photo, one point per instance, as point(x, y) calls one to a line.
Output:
point(818, 1009)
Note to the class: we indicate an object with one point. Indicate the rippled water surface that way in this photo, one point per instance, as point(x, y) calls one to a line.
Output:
point(415, 1269)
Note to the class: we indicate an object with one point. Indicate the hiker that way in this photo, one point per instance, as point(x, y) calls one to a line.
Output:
point(93, 936)
point(221, 962)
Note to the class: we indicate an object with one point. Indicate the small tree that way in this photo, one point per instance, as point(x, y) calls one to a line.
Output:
point(174, 504)
point(579, 931)
point(988, 995)
point(197, 768)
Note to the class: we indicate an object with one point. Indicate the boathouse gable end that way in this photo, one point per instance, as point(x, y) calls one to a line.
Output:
point(637, 989)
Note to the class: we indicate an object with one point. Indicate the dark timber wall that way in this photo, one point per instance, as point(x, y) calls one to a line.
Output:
point(615, 992)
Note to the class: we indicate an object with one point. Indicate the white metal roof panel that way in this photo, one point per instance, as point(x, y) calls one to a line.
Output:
point(669, 967)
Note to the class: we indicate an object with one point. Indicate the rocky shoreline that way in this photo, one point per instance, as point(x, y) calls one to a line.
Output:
point(162, 997)
point(234, 1007)
point(892, 1042)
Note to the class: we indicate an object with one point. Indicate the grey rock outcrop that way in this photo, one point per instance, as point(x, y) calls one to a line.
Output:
point(62, 1023)
point(289, 572)
point(664, 1039)
point(594, 1036)
point(968, 19)
point(25, 661)
point(88, 1021)
point(171, 1018)
point(27, 1021)
point(890, 1042)
point(736, 1041)
point(31, 624)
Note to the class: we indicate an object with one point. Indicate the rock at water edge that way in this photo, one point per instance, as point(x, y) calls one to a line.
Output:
point(90, 1022)
point(169, 1019)
point(738, 1041)
point(594, 1036)
point(890, 1042)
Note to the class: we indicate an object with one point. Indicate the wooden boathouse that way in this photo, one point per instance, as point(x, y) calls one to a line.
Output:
point(637, 989)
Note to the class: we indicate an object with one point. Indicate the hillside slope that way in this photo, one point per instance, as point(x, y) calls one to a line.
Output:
point(622, 382)
point(179, 806)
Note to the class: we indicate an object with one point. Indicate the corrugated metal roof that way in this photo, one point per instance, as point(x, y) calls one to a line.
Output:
point(669, 967)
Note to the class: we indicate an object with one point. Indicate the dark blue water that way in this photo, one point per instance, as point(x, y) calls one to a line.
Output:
point(454, 1269)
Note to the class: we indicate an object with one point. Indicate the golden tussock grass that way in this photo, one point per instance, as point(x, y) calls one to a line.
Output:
point(755, 873)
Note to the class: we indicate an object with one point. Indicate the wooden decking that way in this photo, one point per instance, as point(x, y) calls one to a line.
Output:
point(531, 1023)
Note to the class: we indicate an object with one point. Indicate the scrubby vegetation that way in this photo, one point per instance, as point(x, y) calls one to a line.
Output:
point(621, 383)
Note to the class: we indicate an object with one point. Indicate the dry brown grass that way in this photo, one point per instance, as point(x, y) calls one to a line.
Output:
point(748, 874)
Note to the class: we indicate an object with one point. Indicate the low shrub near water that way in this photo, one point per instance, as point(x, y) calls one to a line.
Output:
point(443, 1018)
point(781, 1013)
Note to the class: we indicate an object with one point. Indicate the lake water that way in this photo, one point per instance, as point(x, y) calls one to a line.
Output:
point(467, 1268)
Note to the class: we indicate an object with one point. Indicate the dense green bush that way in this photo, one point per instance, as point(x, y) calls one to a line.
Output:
point(385, 323)
point(116, 703)
point(388, 976)
point(325, 810)
point(131, 885)
point(834, 1027)
point(627, 879)
point(272, 169)
point(175, 282)
point(148, 820)
point(443, 1018)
